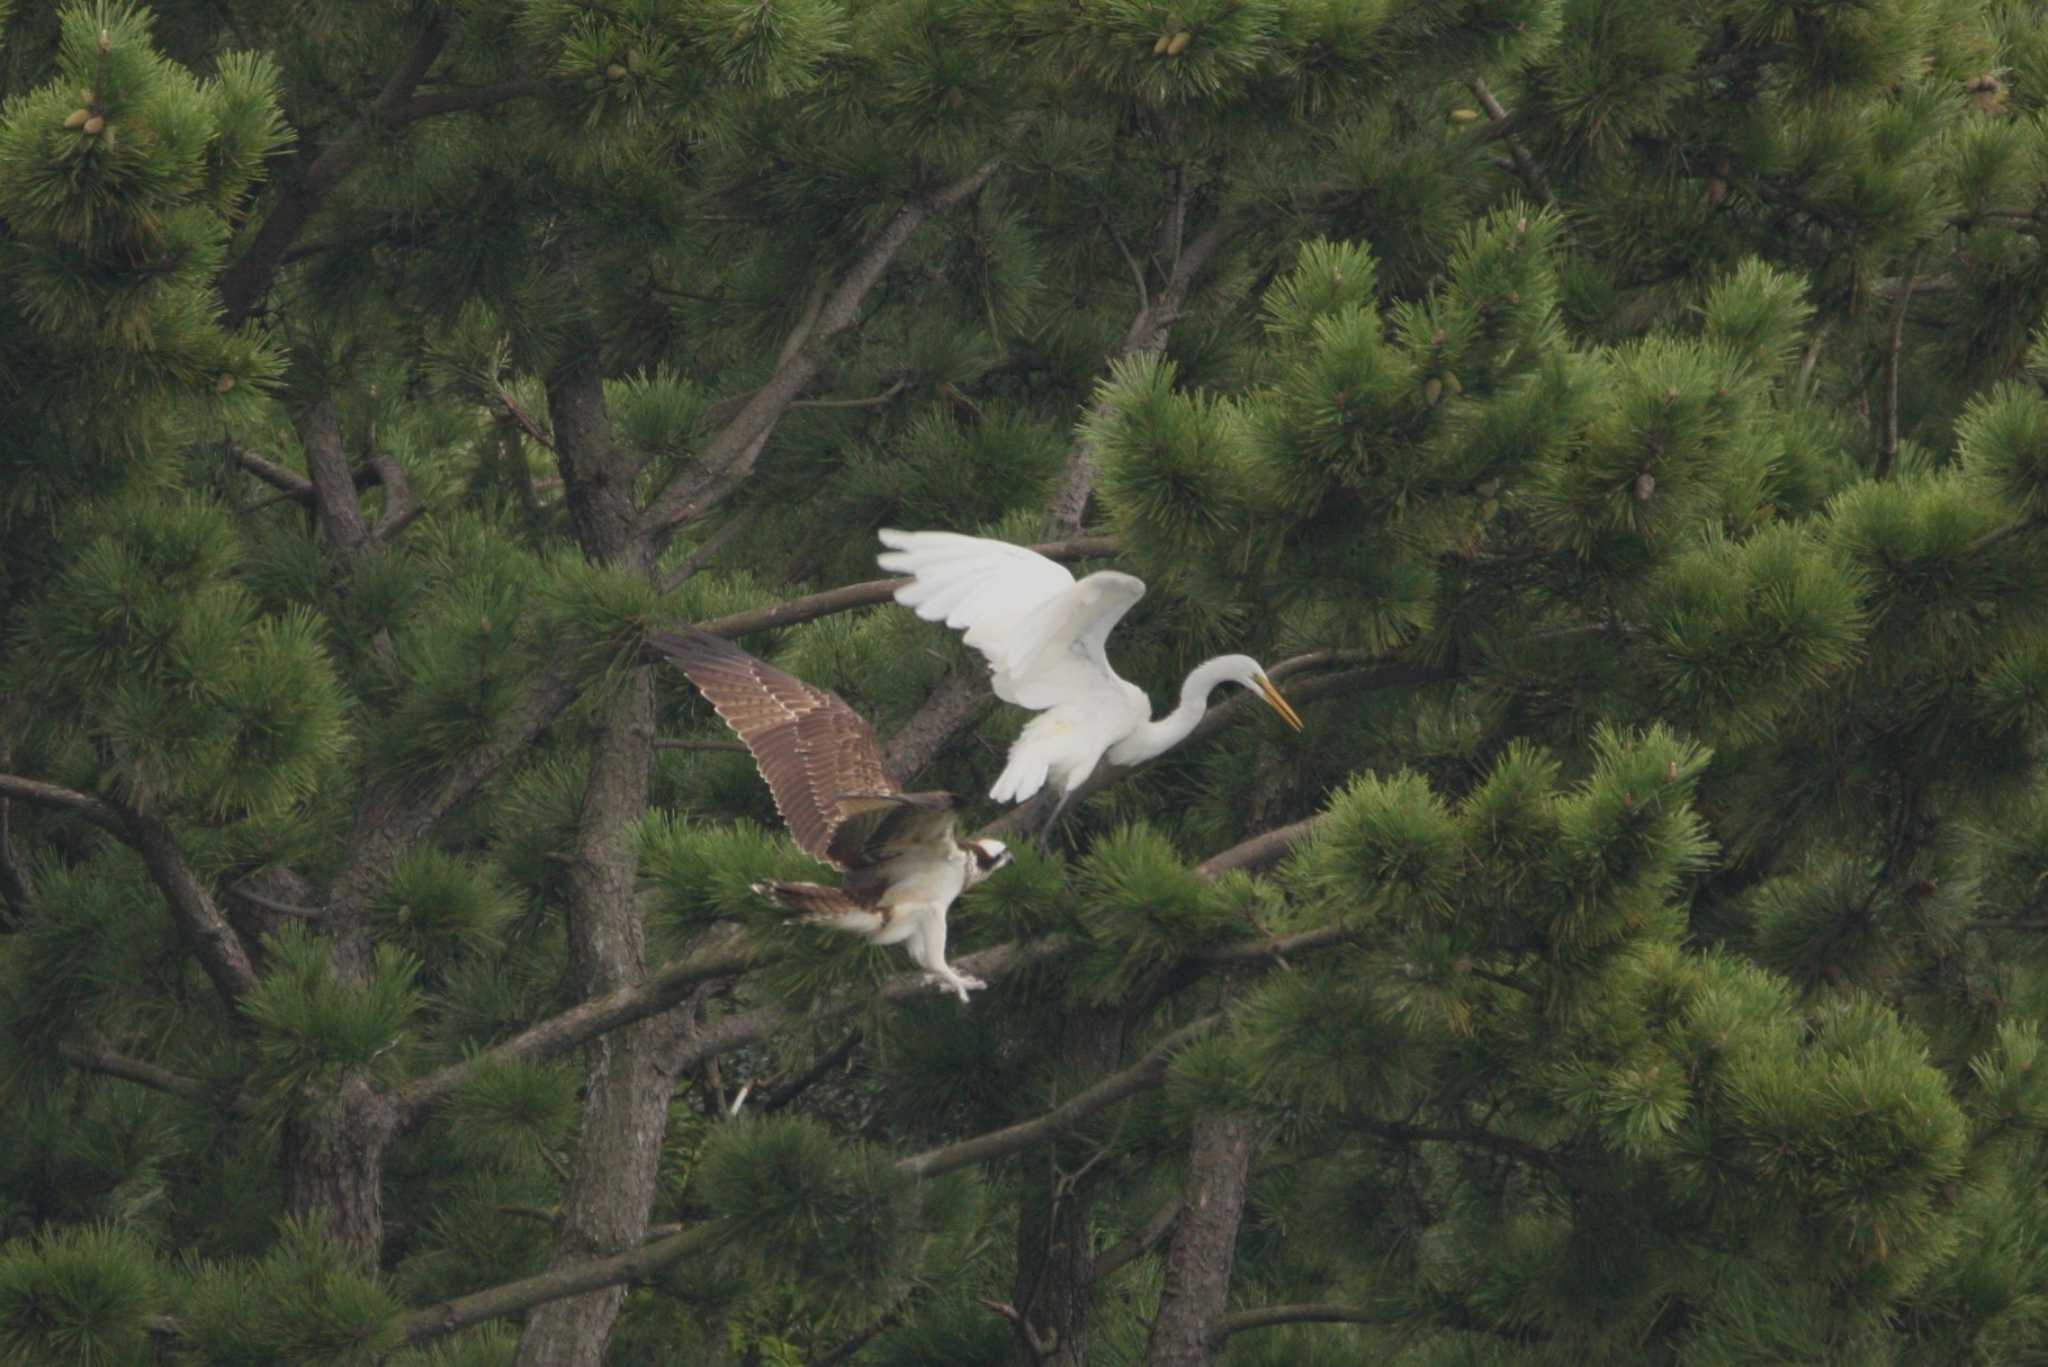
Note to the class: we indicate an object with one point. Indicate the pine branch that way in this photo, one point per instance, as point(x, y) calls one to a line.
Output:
point(1147, 1073)
point(1259, 850)
point(1140, 1240)
point(400, 511)
point(1147, 335)
point(1525, 165)
point(1266, 1316)
point(780, 1096)
point(729, 456)
point(638, 1264)
point(960, 697)
point(690, 743)
point(245, 280)
point(735, 527)
point(220, 951)
point(101, 814)
point(871, 592)
point(276, 476)
point(341, 516)
point(1889, 455)
point(93, 1058)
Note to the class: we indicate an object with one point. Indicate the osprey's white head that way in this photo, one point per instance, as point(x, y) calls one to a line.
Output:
point(985, 857)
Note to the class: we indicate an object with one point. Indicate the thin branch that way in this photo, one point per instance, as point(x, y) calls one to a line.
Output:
point(872, 592)
point(1139, 1241)
point(1147, 1073)
point(1265, 1316)
point(341, 514)
point(246, 280)
point(663, 988)
point(1525, 165)
point(871, 401)
point(734, 528)
point(782, 1095)
point(271, 473)
point(93, 1058)
point(42, 794)
point(477, 97)
point(641, 1263)
point(1260, 850)
point(690, 743)
point(1890, 454)
point(524, 419)
point(1535, 1155)
point(399, 509)
point(729, 456)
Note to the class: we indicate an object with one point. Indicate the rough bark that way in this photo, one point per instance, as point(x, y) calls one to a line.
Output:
point(342, 526)
point(332, 1164)
point(627, 1078)
point(1054, 1294)
point(597, 476)
point(1204, 1245)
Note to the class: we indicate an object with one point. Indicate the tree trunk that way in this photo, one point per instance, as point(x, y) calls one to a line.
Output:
point(332, 1166)
point(628, 1076)
point(1055, 1289)
point(1204, 1241)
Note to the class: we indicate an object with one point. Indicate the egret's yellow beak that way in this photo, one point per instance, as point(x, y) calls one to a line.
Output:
point(1278, 703)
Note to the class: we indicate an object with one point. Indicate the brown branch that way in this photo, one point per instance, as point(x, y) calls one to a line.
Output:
point(781, 1095)
point(1889, 455)
point(729, 456)
point(1535, 1155)
point(1139, 1241)
point(246, 280)
point(688, 743)
point(871, 592)
point(641, 1263)
point(341, 514)
point(93, 1058)
point(1147, 1073)
point(220, 950)
point(735, 527)
point(871, 401)
point(1147, 335)
point(1259, 850)
point(273, 474)
point(960, 697)
point(664, 987)
point(1525, 165)
point(101, 814)
point(399, 509)
point(1265, 1316)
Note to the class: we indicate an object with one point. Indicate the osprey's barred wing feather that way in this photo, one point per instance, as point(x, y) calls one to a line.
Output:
point(808, 744)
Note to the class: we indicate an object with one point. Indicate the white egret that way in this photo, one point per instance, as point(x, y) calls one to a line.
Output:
point(904, 862)
point(1044, 635)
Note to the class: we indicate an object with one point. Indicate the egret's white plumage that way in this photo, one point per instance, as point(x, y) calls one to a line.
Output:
point(1045, 636)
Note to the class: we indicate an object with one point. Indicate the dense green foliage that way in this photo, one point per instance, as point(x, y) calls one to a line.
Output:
point(1622, 427)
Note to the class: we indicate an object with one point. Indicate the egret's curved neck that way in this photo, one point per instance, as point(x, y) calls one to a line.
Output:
point(1157, 737)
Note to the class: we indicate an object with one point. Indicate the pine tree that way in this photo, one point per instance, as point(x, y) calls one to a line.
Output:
point(1621, 428)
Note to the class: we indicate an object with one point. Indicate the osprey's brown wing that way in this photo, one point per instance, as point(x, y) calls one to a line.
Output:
point(877, 825)
point(808, 744)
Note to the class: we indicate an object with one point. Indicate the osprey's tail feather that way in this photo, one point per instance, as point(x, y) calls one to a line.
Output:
point(819, 905)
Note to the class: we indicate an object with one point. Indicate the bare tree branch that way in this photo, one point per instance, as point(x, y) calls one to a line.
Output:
point(1265, 1316)
point(1889, 455)
point(729, 456)
point(101, 814)
point(1147, 1073)
point(246, 279)
point(782, 1095)
point(735, 527)
point(341, 515)
point(1525, 165)
point(1139, 1241)
point(638, 1264)
point(1259, 850)
point(1146, 336)
point(871, 592)
point(96, 1058)
point(220, 950)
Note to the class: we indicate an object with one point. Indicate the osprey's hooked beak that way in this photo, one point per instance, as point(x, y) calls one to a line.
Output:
point(1278, 703)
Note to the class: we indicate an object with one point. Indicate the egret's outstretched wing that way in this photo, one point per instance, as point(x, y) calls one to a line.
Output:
point(808, 744)
point(1043, 633)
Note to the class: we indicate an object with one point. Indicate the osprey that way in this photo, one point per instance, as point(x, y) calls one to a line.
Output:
point(904, 863)
point(1044, 635)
